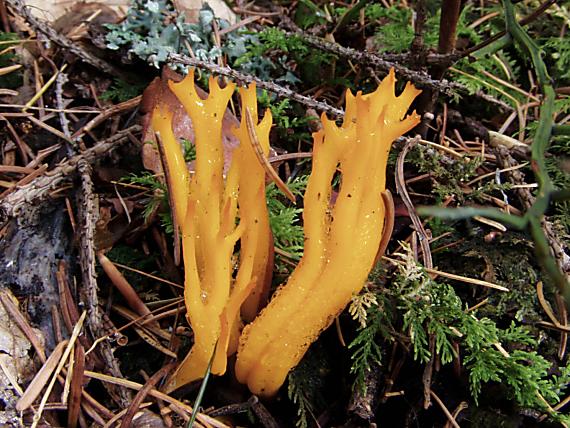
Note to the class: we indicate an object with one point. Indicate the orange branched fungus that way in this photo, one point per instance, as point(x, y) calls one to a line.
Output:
point(341, 240)
point(205, 208)
point(341, 237)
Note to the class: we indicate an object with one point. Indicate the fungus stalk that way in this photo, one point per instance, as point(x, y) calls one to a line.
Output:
point(206, 207)
point(341, 238)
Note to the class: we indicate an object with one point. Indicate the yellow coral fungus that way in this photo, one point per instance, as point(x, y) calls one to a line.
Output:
point(341, 241)
point(206, 208)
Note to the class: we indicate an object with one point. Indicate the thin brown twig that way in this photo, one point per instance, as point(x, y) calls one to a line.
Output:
point(143, 392)
point(147, 322)
point(421, 79)
point(156, 394)
point(263, 160)
point(151, 276)
point(66, 306)
point(176, 222)
point(445, 410)
point(123, 286)
point(389, 218)
point(105, 114)
point(545, 305)
point(76, 330)
point(24, 149)
point(247, 78)
point(38, 189)
point(402, 191)
point(428, 373)
point(450, 11)
point(139, 320)
point(74, 401)
point(4, 17)
point(112, 422)
point(289, 156)
point(563, 312)
point(43, 27)
point(89, 214)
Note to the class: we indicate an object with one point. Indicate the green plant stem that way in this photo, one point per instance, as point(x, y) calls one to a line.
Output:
point(560, 195)
point(350, 15)
point(461, 213)
point(202, 390)
point(561, 130)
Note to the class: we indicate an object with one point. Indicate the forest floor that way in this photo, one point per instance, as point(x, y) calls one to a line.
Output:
point(463, 321)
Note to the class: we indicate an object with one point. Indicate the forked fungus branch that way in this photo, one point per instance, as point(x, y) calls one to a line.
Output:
point(341, 237)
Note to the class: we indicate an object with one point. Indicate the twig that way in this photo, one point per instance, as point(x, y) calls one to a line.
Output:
point(420, 78)
point(456, 277)
point(64, 42)
point(38, 189)
point(112, 422)
point(68, 348)
point(563, 313)
point(74, 402)
point(246, 78)
point(402, 191)
point(157, 394)
point(143, 392)
point(258, 150)
point(262, 414)
point(445, 410)
point(43, 89)
point(139, 320)
point(363, 403)
point(468, 280)
point(89, 215)
point(126, 290)
point(49, 129)
point(418, 51)
point(105, 114)
point(25, 150)
point(60, 81)
point(154, 277)
point(460, 407)
point(4, 17)
point(428, 373)
point(450, 11)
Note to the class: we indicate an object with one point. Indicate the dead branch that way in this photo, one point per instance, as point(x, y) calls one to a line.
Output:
point(38, 189)
point(72, 47)
point(243, 78)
